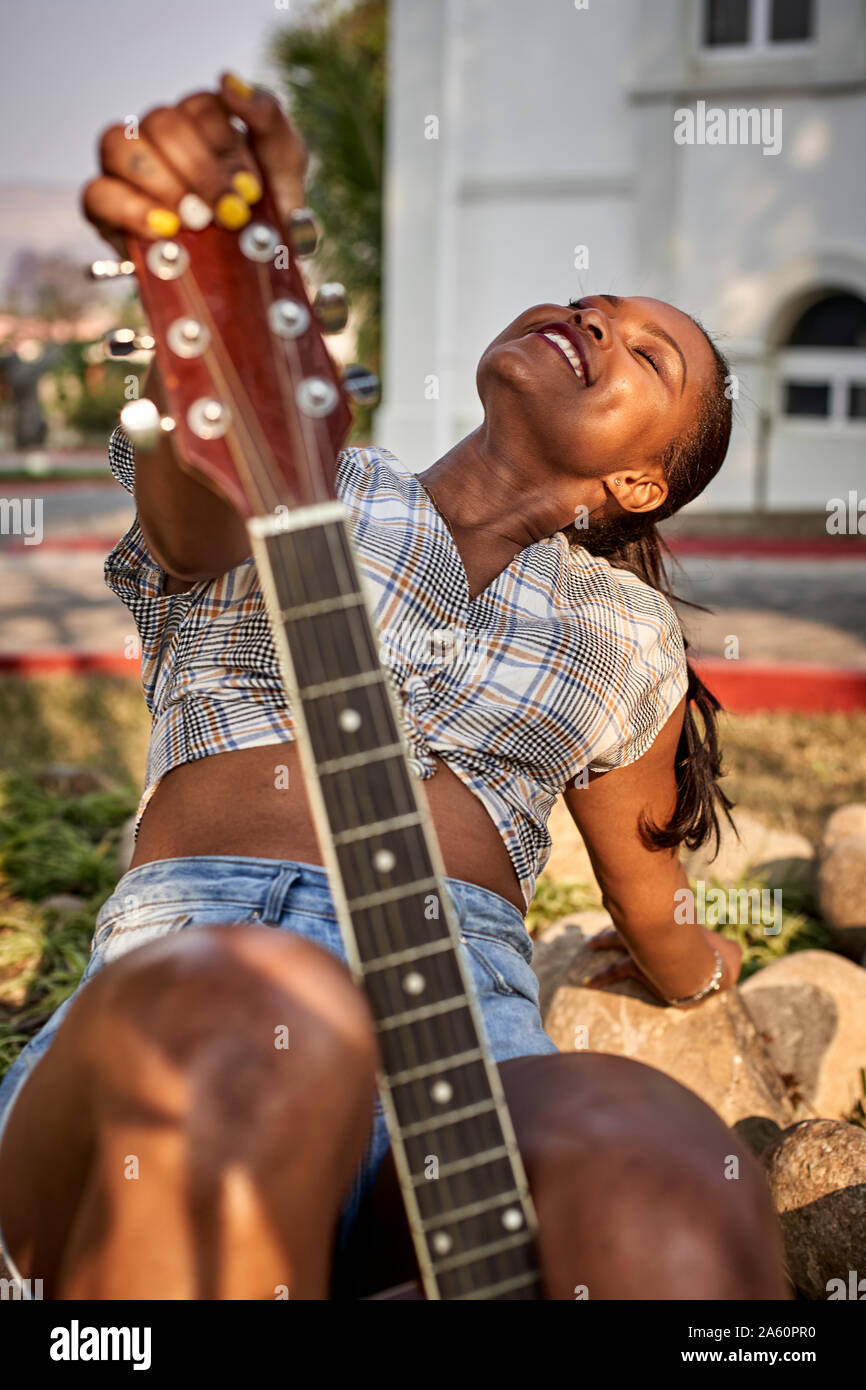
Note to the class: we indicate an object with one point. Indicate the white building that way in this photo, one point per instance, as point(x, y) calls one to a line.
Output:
point(532, 157)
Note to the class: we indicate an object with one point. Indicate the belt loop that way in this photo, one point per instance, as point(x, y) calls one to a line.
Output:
point(278, 893)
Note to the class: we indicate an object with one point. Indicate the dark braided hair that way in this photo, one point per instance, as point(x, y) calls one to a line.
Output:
point(632, 542)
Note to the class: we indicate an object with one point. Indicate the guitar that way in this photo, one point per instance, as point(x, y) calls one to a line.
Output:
point(261, 414)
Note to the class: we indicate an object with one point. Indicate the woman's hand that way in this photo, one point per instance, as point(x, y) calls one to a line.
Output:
point(186, 165)
point(628, 969)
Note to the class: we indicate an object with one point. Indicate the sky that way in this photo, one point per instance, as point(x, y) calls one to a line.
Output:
point(70, 67)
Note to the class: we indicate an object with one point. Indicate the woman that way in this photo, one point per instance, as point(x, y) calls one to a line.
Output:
point(534, 537)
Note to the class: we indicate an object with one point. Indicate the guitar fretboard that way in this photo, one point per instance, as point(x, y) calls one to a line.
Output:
point(462, 1177)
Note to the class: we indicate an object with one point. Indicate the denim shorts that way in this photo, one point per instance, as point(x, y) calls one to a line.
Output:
point(170, 895)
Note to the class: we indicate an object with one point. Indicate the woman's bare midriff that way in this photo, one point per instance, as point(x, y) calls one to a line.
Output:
point(253, 802)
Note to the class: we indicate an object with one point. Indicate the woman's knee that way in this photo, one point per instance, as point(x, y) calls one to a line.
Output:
point(232, 1003)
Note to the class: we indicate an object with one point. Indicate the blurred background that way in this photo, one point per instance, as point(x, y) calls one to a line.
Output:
point(469, 158)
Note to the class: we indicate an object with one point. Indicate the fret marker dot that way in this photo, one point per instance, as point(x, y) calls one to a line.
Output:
point(441, 1091)
point(349, 721)
point(512, 1218)
point(414, 983)
point(441, 1242)
point(384, 861)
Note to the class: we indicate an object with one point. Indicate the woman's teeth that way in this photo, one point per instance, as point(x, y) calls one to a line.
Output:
point(568, 350)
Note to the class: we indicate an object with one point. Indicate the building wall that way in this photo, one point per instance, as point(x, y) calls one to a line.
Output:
point(553, 130)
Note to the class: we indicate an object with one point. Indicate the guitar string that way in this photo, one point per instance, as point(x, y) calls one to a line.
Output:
point(228, 370)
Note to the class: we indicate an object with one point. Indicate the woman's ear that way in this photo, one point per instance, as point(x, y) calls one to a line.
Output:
point(638, 489)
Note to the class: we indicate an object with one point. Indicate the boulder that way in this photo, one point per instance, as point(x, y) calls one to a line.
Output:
point(126, 845)
point(62, 902)
point(569, 861)
point(810, 1009)
point(62, 779)
point(772, 856)
point(842, 892)
point(715, 1050)
point(847, 820)
point(817, 1176)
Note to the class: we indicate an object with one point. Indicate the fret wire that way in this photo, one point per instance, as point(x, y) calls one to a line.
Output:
point(461, 1177)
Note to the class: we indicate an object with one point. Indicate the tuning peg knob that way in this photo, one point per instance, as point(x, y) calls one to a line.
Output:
point(361, 385)
point(110, 270)
point(303, 232)
point(332, 307)
point(122, 342)
point(143, 424)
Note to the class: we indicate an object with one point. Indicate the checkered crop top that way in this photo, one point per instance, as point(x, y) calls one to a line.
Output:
point(561, 664)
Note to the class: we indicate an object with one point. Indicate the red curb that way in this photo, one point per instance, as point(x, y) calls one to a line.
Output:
point(742, 687)
point(747, 688)
point(785, 547)
point(68, 663)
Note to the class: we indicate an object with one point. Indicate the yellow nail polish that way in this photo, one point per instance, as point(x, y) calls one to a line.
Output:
point(232, 211)
point(248, 186)
point(163, 221)
point(237, 85)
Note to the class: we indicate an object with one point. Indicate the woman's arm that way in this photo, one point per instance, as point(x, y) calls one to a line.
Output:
point(638, 884)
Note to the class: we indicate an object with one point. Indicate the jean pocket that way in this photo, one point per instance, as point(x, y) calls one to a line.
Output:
point(501, 966)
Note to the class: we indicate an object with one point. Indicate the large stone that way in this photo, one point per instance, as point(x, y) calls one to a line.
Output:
point(817, 1176)
point(774, 857)
point(62, 779)
point(715, 1050)
point(847, 820)
point(842, 893)
point(810, 1008)
point(569, 860)
point(125, 845)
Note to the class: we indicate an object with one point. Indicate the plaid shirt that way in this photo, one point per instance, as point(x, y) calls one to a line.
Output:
point(561, 664)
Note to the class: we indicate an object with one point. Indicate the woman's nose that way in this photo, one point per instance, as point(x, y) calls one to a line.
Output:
point(594, 321)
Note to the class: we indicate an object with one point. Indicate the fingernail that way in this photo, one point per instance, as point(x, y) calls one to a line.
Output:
point(232, 211)
point(238, 86)
point(163, 221)
point(194, 212)
point(247, 185)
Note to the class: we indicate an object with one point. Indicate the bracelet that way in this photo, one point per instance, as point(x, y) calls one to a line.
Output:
point(714, 983)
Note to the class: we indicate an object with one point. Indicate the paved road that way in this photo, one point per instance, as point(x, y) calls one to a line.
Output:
point(779, 610)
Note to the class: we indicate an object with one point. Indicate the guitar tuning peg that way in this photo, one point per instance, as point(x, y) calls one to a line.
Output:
point(361, 385)
point(332, 307)
point(122, 342)
point(109, 270)
point(303, 232)
point(143, 424)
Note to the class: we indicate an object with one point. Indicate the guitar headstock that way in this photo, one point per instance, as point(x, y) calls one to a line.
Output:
point(251, 390)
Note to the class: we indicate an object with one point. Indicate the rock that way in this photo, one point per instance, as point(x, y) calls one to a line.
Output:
point(772, 856)
point(842, 892)
point(558, 944)
point(847, 820)
point(817, 1176)
point(63, 780)
point(126, 845)
point(714, 1050)
point(569, 861)
point(810, 1008)
point(62, 902)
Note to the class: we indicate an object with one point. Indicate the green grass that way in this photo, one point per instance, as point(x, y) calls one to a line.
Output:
point(790, 770)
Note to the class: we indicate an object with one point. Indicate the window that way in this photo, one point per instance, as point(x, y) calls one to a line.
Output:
point(823, 365)
point(757, 24)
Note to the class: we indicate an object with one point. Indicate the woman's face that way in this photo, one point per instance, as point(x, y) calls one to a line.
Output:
point(637, 370)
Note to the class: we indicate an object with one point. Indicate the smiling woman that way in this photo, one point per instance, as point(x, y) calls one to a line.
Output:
point(531, 546)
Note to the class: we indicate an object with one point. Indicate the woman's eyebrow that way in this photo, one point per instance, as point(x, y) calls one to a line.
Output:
point(660, 333)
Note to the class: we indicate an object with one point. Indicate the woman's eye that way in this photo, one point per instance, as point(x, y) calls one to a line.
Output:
point(649, 357)
point(575, 303)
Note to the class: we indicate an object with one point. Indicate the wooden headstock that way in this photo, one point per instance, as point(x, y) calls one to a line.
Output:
point(257, 403)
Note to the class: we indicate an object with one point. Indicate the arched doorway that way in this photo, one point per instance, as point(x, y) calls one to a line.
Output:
point(817, 446)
